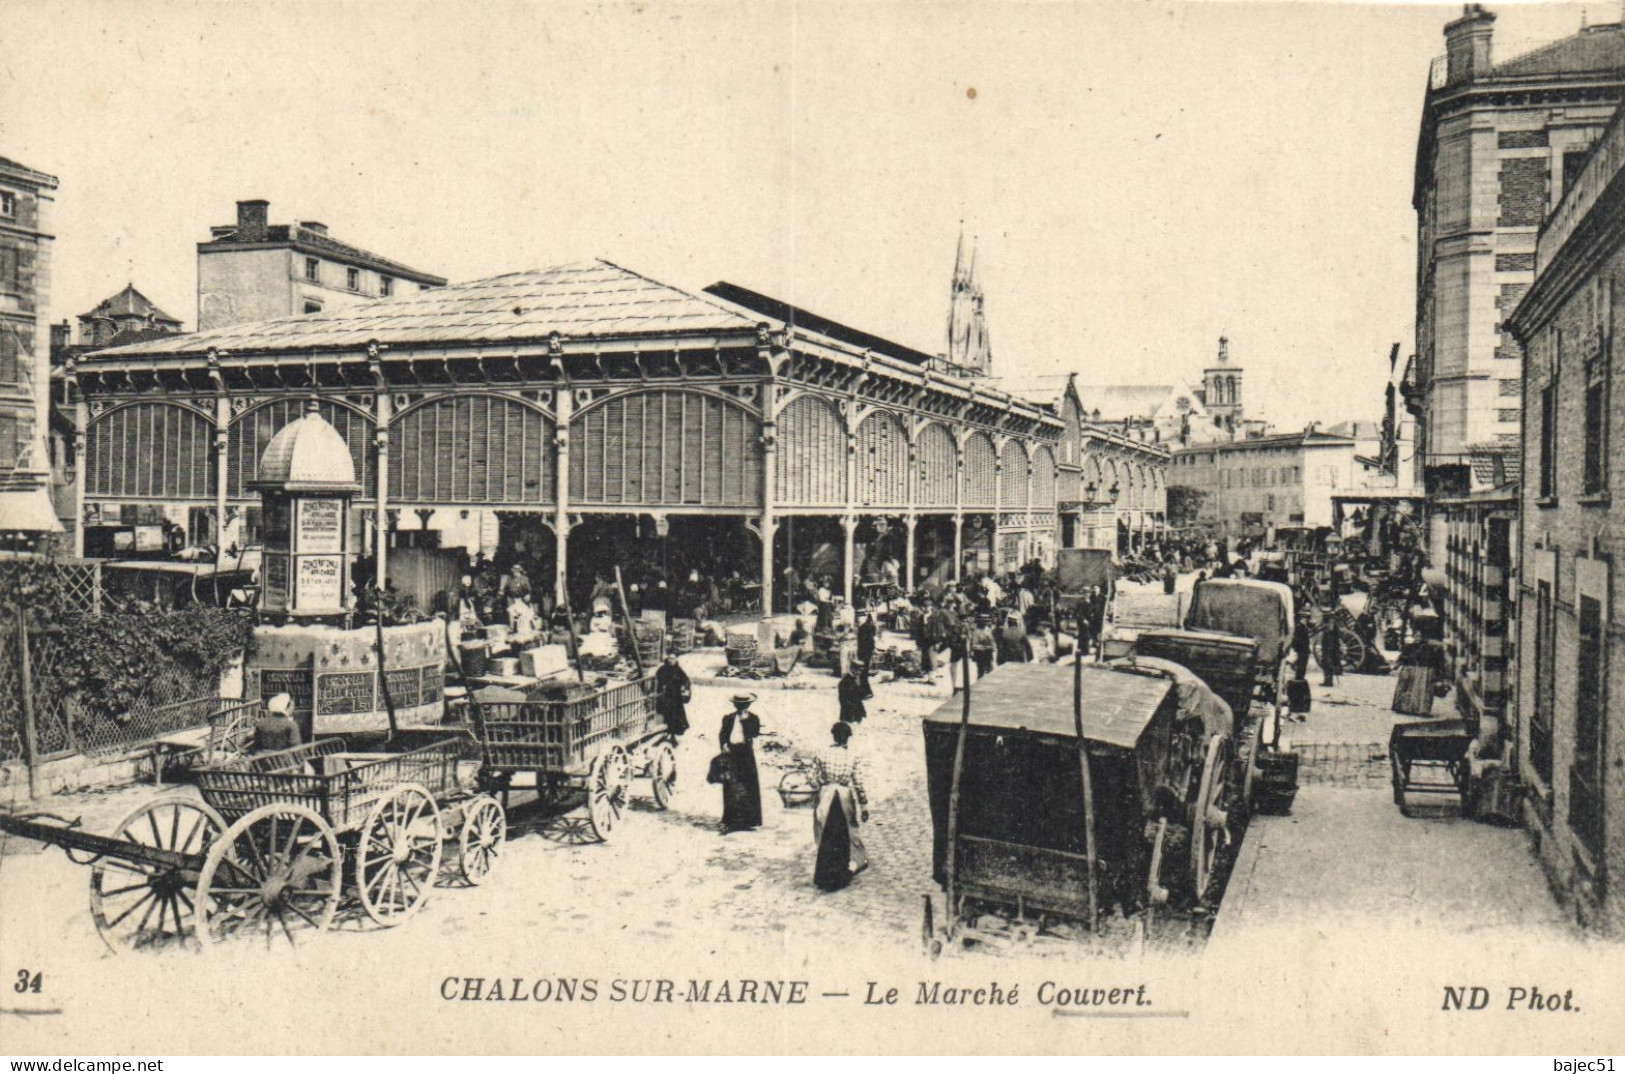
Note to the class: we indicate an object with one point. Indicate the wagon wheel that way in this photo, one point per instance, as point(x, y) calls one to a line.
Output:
point(1209, 821)
point(485, 829)
point(1353, 649)
point(607, 782)
point(663, 774)
point(1156, 892)
point(125, 895)
point(275, 873)
point(398, 855)
point(1255, 757)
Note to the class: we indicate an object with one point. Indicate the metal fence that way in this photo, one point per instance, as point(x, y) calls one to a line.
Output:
point(63, 723)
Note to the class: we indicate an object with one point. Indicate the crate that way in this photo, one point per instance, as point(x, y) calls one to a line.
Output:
point(340, 786)
point(561, 730)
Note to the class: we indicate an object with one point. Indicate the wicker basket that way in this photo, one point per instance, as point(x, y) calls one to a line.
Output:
point(741, 650)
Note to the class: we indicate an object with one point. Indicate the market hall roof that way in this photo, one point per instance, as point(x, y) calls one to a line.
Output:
point(588, 299)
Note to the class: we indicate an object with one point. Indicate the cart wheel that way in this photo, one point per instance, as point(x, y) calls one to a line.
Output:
point(275, 873)
point(1156, 892)
point(1353, 649)
point(606, 791)
point(1209, 822)
point(1255, 759)
point(663, 774)
point(398, 855)
point(485, 828)
point(125, 895)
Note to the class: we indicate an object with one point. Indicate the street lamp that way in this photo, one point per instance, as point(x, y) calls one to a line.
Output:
point(1115, 491)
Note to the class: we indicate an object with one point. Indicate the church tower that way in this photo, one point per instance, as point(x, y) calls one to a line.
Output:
point(1221, 389)
point(968, 343)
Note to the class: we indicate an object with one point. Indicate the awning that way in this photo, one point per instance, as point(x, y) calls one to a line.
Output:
point(28, 511)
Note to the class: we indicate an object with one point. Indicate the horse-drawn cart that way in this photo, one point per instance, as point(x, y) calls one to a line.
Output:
point(1038, 834)
point(579, 737)
point(274, 843)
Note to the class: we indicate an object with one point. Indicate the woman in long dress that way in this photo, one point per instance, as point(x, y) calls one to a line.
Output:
point(742, 790)
point(672, 692)
point(843, 806)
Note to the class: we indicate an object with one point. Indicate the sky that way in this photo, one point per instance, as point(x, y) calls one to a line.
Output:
point(1140, 177)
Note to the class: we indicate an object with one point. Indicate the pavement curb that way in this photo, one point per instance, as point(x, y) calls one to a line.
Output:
point(1239, 887)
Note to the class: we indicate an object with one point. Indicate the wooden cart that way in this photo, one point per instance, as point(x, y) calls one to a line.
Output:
point(1228, 665)
point(576, 737)
point(275, 843)
point(1039, 835)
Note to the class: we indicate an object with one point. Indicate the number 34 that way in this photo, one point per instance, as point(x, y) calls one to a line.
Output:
point(28, 982)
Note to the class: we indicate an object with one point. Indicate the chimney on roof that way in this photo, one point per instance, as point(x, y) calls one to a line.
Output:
point(1224, 350)
point(315, 226)
point(251, 220)
point(1467, 44)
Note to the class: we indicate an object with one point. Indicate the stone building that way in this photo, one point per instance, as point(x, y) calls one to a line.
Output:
point(1569, 740)
point(1254, 486)
point(254, 270)
point(27, 198)
point(591, 415)
point(1498, 146)
point(1113, 479)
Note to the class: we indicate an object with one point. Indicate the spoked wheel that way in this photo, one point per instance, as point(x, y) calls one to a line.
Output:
point(485, 829)
point(607, 783)
point(1255, 758)
point(1210, 824)
point(148, 906)
point(663, 774)
point(1156, 892)
point(398, 856)
point(274, 876)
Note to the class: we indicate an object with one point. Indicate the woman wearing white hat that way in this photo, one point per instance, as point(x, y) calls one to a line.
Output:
point(277, 729)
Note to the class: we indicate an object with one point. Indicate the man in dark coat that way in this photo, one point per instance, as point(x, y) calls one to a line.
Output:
point(925, 620)
point(866, 638)
point(1014, 645)
point(672, 693)
point(1097, 615)
point(1331, 655)
point(1300, 644)
point(853, 692)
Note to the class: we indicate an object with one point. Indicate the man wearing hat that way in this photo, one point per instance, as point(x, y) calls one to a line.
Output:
point(983, 646)
point(276, 730)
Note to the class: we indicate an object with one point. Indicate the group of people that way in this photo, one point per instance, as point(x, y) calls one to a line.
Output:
point(843, 800)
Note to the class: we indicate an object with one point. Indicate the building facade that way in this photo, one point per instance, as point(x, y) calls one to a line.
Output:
point(26, 201)
point(254, 270)
point(650, 423)
point(1499, 144)
point(1113, 479)
point(1570, 737)
point(1251, 487)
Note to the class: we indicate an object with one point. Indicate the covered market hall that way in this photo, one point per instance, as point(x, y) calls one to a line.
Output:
point(584, 416)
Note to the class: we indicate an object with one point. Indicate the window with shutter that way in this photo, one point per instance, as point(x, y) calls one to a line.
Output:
point(666, 448)
point(937, 465)
point(811, 458)
point(150, 451)
point(1013, 475)
point(470, 449)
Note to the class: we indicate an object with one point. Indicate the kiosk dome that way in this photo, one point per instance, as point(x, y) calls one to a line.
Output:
point(307, 455)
